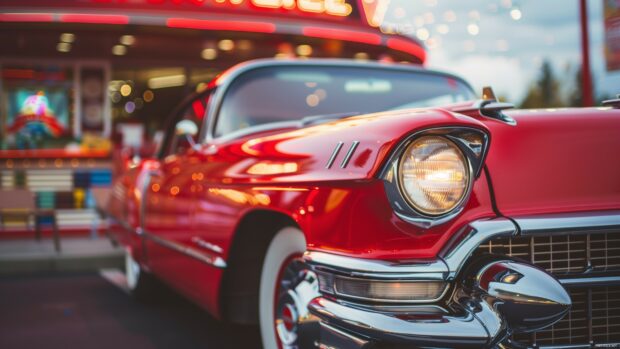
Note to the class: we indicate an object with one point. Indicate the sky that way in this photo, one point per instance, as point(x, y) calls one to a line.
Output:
point(502, 43)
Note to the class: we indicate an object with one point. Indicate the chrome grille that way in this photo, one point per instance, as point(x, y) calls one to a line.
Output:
point(576, 327)
point(595, 314)
point(562, 254)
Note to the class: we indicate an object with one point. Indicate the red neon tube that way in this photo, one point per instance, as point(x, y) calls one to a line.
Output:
point(93, 19)
point(345, 35)
point(26, 17)
point(190, 23)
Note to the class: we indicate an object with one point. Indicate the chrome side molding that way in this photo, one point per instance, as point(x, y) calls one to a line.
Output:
point(215, 261)
point(570, 223)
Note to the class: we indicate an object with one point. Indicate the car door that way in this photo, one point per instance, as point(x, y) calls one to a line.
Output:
point(169, 204)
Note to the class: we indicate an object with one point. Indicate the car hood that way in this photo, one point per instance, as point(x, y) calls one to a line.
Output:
point(555, 160)
point(352, 148)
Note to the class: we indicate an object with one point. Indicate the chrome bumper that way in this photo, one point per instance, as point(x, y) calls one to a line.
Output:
point(364, 326)
point(473, 316)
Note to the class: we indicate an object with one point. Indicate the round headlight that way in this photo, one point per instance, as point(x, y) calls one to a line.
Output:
point(434, 175)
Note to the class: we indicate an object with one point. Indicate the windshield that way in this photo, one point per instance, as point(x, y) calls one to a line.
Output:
point(277, 94)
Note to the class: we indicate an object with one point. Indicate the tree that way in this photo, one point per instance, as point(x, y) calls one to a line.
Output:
point(575, 98)
point(545, 92)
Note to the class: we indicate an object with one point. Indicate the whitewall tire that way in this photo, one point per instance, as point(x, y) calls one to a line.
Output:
point(132, 271)
point(139, 282)
point(286, 287)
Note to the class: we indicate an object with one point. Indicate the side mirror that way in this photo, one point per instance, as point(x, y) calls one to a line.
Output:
point(188, 129)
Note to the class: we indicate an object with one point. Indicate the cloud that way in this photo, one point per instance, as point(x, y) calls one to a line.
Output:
point(504, 74)
point(507, 53)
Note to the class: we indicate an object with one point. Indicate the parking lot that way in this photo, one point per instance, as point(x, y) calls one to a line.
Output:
point(85, 310)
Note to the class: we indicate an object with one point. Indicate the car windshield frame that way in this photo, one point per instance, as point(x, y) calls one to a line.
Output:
point(228, 79)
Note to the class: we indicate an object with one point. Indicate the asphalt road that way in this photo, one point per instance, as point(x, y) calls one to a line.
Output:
point(87, 311)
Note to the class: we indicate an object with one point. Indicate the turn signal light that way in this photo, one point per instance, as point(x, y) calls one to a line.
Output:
point(381, 290)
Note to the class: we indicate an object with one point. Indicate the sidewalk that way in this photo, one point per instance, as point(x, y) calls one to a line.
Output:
point(78, 254)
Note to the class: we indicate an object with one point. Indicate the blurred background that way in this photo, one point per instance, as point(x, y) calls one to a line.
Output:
point(85, 85)
point(83, 79)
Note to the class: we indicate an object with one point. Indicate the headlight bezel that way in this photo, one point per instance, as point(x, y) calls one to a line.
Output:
point(473, 144)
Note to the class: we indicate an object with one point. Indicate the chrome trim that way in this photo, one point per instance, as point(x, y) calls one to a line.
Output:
point(465, 329)
point(206, 244)
point(482, 311)
point(390, 174)
point(489, 107)
point(450, 263)
point(435, 270)
point(347, 158)
point(566, 346)
point(296, 287)
point(215, 261)
point(591, 281)
point(526, 297)
point(463, 245)
point(381, 322)
point(350, 341)
point(330, 162)
point(613, 103)
point(571, 223)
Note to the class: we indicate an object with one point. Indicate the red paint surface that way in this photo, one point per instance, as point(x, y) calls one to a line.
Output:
point(556, 161)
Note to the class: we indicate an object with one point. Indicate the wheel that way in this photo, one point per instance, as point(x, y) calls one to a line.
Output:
point(287, 285)
point(139, 283)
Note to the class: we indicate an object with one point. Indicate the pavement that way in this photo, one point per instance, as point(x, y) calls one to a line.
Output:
point(86, 310)
point(78, 254)
point(78, 298)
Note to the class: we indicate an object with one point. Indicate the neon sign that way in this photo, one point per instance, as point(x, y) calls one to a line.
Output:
point(335, 8)
point(331, 7)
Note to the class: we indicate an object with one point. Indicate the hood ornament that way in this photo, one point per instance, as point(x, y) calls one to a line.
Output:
point(614, 103)
point(490, 107)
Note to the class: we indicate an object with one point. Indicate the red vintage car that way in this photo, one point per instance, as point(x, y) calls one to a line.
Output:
point(342, 204)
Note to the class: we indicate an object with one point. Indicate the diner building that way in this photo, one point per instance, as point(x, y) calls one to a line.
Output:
point(83, 80)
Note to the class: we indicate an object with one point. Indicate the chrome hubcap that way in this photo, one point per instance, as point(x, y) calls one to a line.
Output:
point(296, 287)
